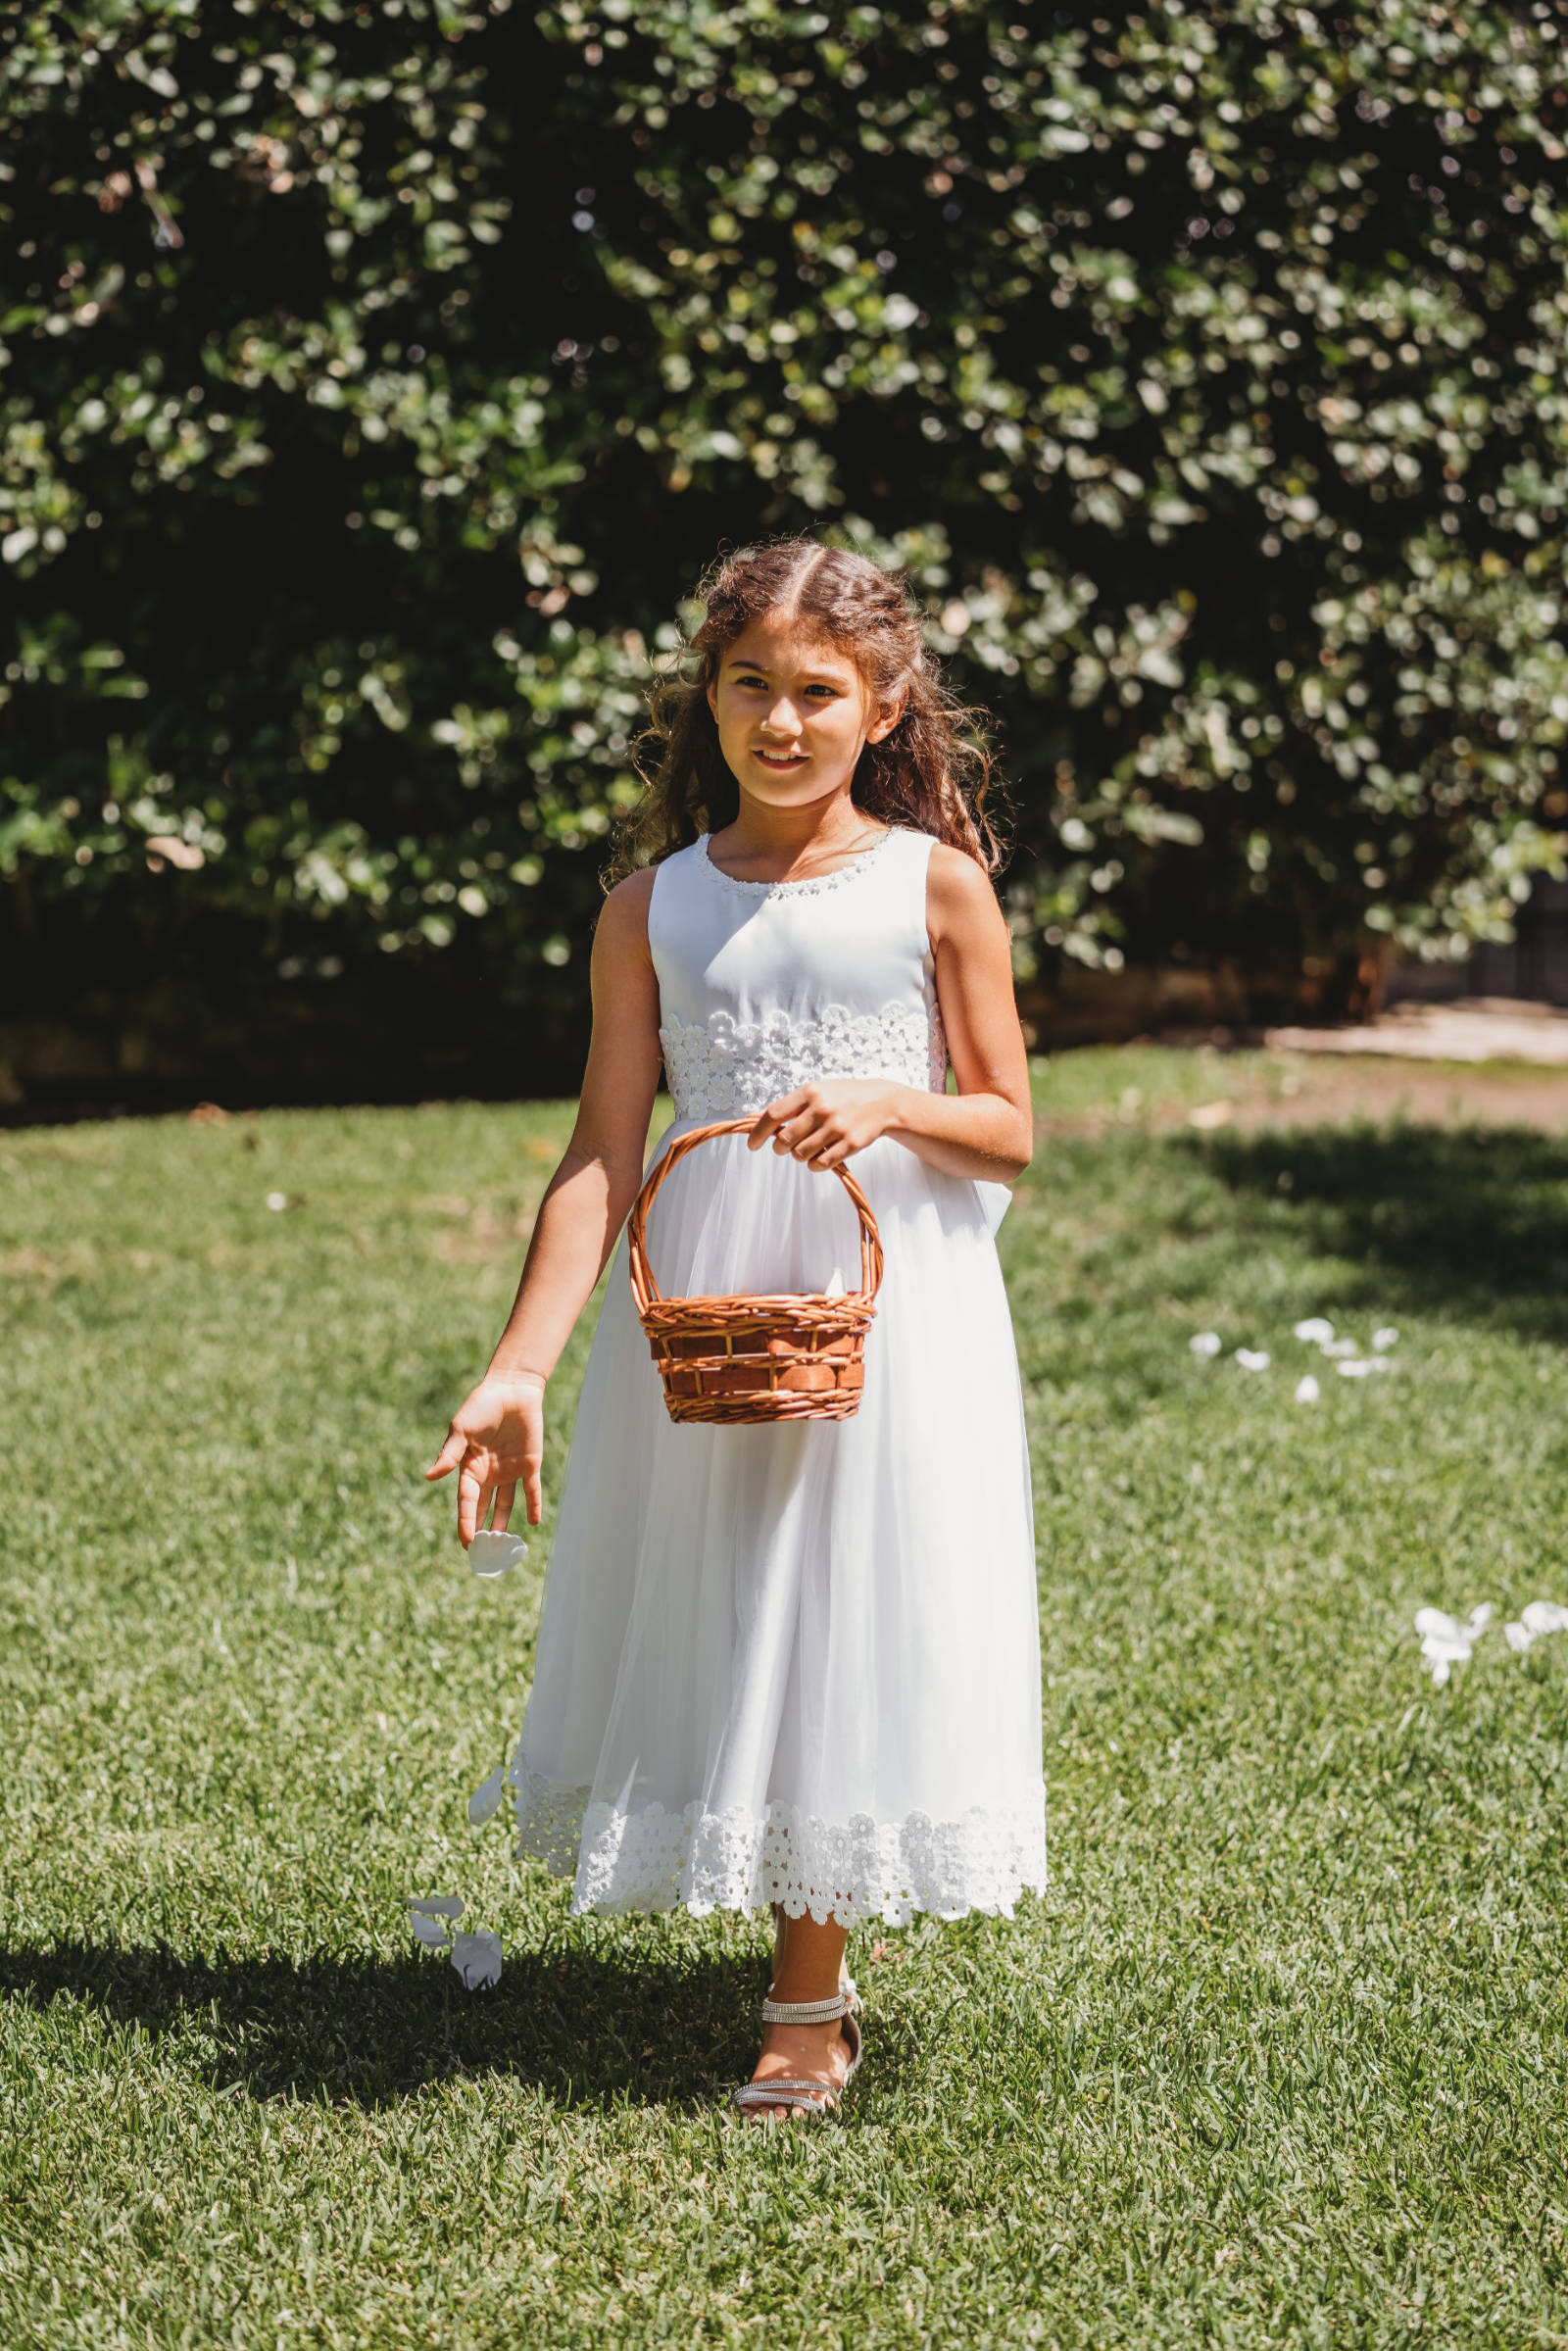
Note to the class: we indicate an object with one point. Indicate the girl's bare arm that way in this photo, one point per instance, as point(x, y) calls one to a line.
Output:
point(496, 1440)
point(987, 1128)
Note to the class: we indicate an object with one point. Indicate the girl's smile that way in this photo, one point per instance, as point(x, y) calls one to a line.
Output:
point(791, 709)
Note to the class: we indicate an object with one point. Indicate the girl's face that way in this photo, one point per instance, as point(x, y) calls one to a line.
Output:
point(793, 712)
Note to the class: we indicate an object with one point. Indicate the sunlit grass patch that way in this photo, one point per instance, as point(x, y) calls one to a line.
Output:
point(1280, 2057)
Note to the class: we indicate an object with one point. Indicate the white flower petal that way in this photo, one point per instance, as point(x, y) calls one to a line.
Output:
point(1340, 1346)
point(835, 1287)
point(1317, 1331)
point(1436, 1645)
point(1518, 1637)
point(1204, 1344)
point(485, 1801)
point(432, 1932)
point(477, 1958)
point(1384, 1339)
point(1441, 1670)
point(277, 1199)
point(491, 1555)
point(1434, 1621)
point(1356, 1371)
point(1544, 1616)
point(1479, 1618)
point(438, 1906)
point(1308, 1390)
point(1252, 1359)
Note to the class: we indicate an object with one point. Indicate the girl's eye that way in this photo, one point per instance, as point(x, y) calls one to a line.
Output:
point(749, 681)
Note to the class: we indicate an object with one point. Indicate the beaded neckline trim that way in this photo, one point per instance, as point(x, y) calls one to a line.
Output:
point(812, 886)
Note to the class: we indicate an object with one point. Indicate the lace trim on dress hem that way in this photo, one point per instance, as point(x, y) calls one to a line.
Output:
point(724, 1067)
point(853, 1870)
point(812, 886)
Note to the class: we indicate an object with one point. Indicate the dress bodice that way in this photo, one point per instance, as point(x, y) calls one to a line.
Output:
point(765, 986)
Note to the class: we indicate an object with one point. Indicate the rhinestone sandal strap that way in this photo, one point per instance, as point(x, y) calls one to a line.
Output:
point(815, 2095)
point(805, 2012)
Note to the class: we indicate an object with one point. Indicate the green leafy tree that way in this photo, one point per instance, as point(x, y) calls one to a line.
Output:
point(376, 379)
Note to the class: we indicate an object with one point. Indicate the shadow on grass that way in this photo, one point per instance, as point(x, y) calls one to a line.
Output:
point(1463, 1222)
point(588, 2030)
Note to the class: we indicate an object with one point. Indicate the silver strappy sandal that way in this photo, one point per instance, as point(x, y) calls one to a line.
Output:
point(807, 2097)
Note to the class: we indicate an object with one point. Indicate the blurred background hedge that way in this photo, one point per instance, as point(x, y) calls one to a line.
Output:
point(378, 380)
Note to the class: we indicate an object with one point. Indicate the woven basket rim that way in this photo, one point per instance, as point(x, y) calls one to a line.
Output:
point(649, 1299)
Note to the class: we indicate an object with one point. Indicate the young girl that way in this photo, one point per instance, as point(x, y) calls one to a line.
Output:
point(791, 1664)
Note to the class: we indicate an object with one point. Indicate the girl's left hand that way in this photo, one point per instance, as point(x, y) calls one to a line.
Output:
point(820, 1125)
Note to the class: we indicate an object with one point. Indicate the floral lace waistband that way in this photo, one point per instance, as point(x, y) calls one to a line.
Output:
point(724, 1067)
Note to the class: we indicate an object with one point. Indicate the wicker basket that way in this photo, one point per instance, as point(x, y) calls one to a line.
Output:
point(737, 1360)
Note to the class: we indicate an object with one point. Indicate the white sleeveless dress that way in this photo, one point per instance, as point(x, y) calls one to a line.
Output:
point(797, 1663)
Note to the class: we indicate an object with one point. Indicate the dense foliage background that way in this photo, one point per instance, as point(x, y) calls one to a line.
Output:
point(377, 380)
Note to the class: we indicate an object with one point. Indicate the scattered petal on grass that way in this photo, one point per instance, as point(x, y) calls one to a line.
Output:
point(438, 1906)
point(477, 1958)
point(277, 1199)
point(485, 1801)
point(1541, 1616)
point(1384, 1339)
point(1252, 1359)
point(1211, 1114)
point(1315, 1330)
point(1308, 1390)
point(1337, 1348)
point(1447, 1643)
point(1356, 1370)
point(491, 1555)
point(431, 1931)
point(1204, 1344)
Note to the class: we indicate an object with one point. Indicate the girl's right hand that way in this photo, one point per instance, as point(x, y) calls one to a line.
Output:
point(496, 1444)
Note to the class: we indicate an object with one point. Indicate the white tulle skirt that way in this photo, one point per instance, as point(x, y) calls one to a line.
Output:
point(797, 1663)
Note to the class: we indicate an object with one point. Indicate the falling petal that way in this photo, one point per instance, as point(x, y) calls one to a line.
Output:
point(1544, 1616)
point(1204, 1344)
point(438, 1906)
point(486, 1800)
point(1316, 1331)
point(477, 1958)
point(1252, 1359)
point(431, 1931)
point(491, 1555)
point(1308, 1390)
point(1384, 1339)
point(1518, 1637)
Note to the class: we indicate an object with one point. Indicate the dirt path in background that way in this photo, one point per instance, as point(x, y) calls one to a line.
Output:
point(1427, 1094)
point(1243, 1092)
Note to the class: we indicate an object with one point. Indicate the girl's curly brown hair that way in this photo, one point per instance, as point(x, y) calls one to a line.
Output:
point(933, 772)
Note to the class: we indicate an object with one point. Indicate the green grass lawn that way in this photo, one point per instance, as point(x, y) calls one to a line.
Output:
point(1280, 2058)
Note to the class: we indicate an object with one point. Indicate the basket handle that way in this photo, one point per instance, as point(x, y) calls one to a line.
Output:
point(645, 1291)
